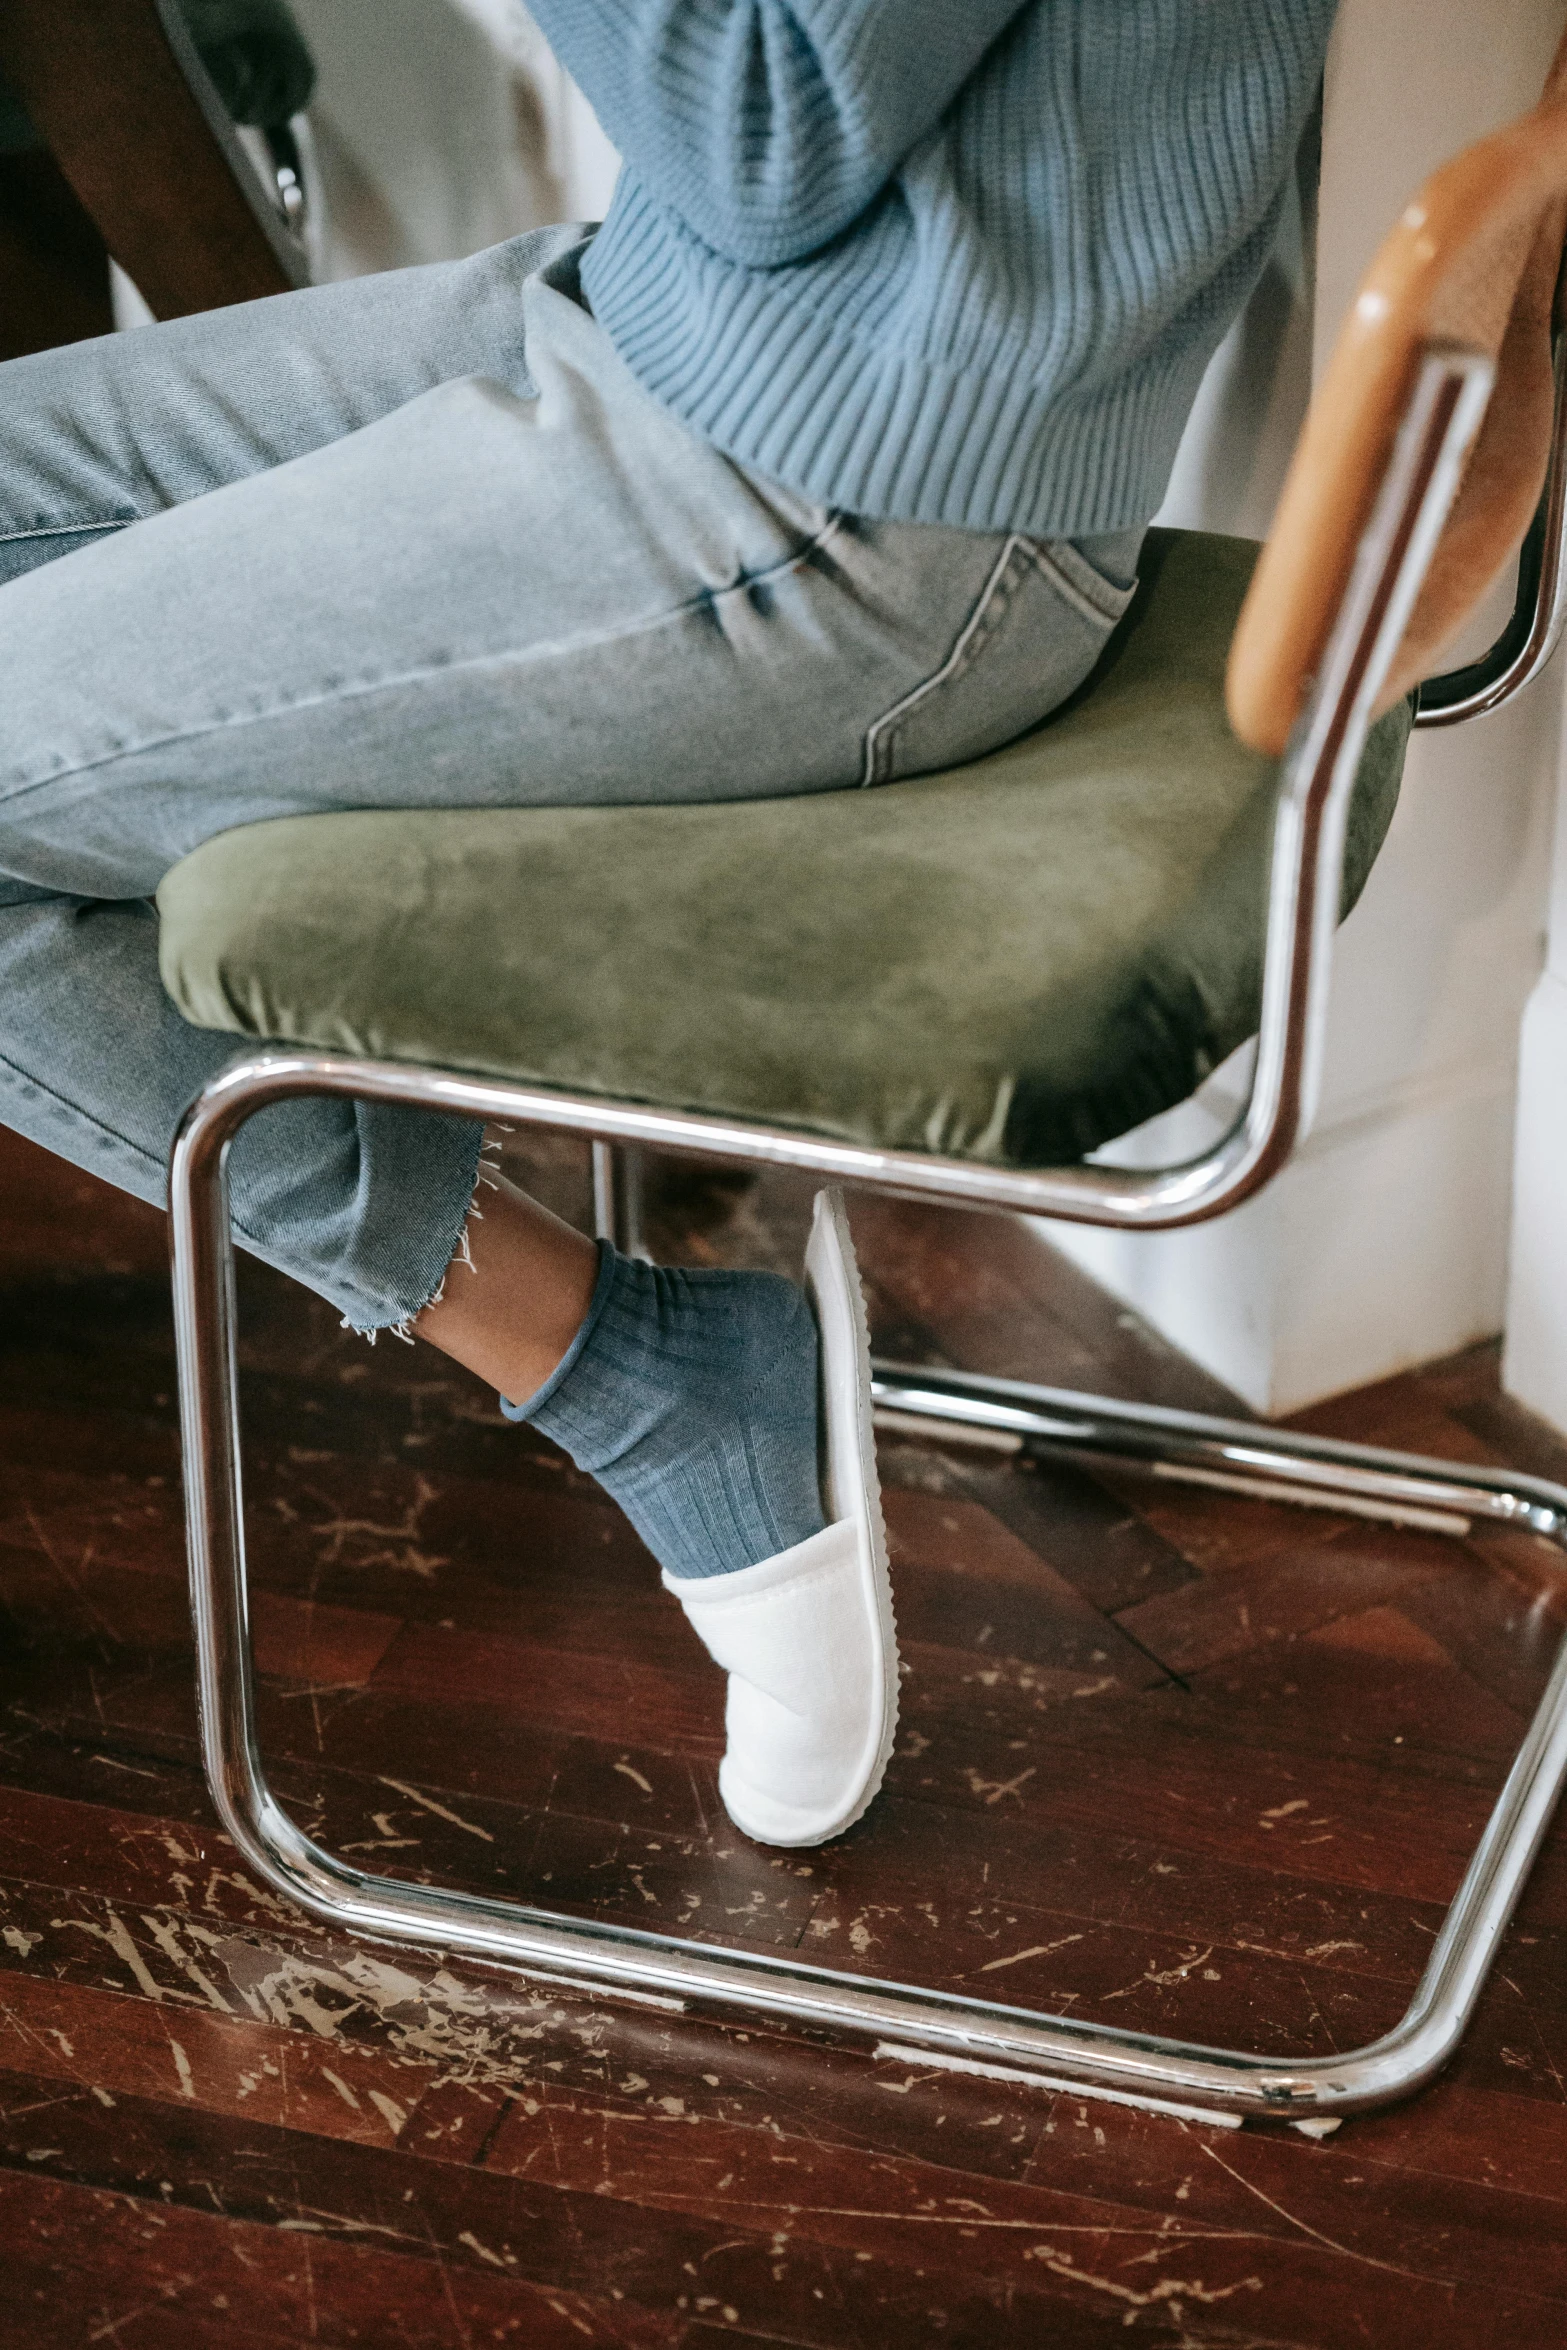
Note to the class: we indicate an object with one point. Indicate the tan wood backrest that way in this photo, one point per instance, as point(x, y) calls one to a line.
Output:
point(1474, 260)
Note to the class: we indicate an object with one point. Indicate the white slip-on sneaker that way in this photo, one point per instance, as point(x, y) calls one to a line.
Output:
point(807, 1637)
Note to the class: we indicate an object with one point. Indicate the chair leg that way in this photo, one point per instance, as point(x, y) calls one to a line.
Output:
point(952, 2029)
point(617, 1196)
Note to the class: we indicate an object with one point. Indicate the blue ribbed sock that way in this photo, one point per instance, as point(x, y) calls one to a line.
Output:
point(691, 1397)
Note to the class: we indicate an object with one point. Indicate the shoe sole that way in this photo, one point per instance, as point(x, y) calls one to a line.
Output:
point(853, 1502)
point(862, 1500)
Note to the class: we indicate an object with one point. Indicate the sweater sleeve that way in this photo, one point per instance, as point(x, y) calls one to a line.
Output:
point(769, 125)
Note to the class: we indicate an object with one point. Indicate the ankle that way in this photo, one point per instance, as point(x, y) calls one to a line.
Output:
point(692, 1397)
point(516, 1295)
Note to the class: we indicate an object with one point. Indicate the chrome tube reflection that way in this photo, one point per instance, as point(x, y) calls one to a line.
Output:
point(1539, 614)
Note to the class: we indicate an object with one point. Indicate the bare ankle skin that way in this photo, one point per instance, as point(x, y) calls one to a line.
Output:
point(513, 1316)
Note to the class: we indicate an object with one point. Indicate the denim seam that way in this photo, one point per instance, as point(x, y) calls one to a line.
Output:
point(111, 1133)
point(64, 530)
point(988, 608)
point(1076, 592)
point(265, 1249)
point(831, 529)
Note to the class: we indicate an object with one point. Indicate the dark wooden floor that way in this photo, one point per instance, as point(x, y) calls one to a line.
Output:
point(1192, 1764)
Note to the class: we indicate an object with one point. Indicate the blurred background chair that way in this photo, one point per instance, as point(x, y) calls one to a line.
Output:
point(121, 139)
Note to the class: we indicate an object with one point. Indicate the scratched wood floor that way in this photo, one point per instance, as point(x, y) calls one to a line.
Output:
point(1180, 1762)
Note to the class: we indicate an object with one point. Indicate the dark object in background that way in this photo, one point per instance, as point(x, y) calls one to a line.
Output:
point(54, 267)
point(116, 136)
point(256, 55)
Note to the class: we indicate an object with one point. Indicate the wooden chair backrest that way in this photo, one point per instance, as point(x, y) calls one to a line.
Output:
point(116, 88)
point(1474, 260)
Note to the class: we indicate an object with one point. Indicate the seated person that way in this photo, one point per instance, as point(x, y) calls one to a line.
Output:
point(823, 463)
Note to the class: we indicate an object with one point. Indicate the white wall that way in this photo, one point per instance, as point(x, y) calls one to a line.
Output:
point(1386, 1242)
point(442, 126)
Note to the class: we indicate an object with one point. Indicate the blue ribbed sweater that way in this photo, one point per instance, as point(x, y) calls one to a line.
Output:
point(953, 261)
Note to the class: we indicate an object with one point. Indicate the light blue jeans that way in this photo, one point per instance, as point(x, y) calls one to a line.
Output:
point(418, 541)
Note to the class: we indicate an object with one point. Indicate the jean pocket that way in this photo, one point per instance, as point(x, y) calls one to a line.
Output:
point(1034, 633)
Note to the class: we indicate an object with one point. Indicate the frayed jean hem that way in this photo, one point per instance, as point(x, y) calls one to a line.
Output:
point(444, 1248)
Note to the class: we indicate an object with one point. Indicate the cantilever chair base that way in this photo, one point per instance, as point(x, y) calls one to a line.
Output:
point(1446, 399)
point(952, 2029)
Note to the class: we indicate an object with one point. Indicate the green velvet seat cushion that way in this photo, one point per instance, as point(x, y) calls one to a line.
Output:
point(1013, 961)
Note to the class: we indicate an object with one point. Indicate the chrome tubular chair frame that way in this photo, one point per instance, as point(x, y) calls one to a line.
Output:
point(1540, 605)
point(1447, 400)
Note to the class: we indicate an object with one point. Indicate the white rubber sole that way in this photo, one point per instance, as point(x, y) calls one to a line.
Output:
point(832, 1278)
point(807, 1636)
